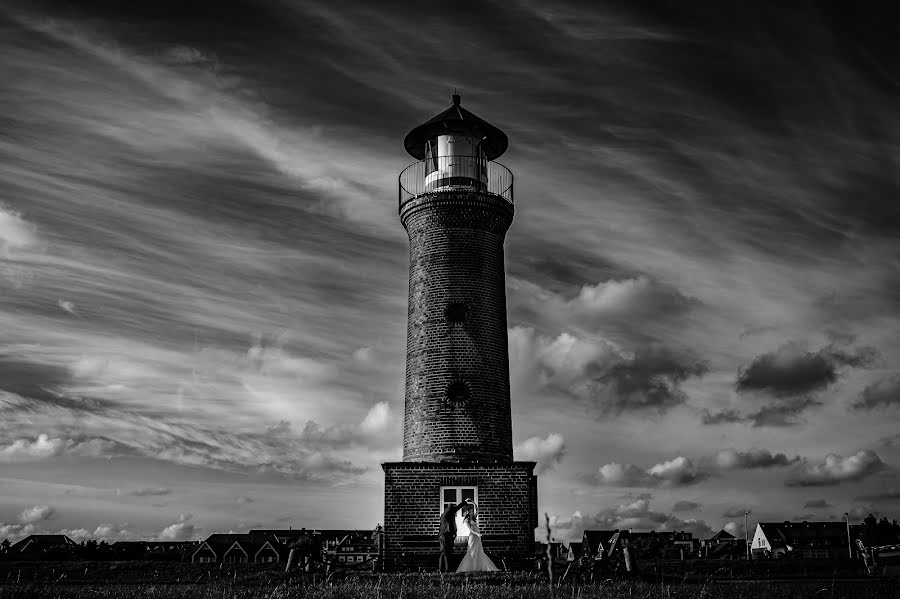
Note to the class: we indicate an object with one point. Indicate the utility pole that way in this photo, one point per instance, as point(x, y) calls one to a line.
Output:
point(747, 534)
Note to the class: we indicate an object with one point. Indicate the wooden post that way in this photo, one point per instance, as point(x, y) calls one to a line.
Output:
point(549, 552)
point(290, 560)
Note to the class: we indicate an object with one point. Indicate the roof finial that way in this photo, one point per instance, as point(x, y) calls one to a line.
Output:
point(455, 97)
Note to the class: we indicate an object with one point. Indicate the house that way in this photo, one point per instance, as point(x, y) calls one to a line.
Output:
point(574, 552)
point(663, 543)
point(593, 541)
point(723, 545)
point(349, 546)
point(44, 546)
point(282, 535)
point(155, 550)
point(557, 550)
point(669, 544)
point(809, 540)
point(239, 548)
point(338, 545)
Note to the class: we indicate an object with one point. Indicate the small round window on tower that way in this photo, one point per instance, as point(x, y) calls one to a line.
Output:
point(456, 313)
point(458, 392)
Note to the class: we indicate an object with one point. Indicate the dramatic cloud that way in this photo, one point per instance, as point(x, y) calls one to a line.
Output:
point(39, 448)
point(817, 504)
point(638, 515)
point(837, 469)
point(547, 452)
point(685, 506)
point(731, 459)
point(183, 530)
point(884, 393)
point(378, 418)
point(568, 528)
point(790, 370)
point(638, 297)
point(602, 375)
point(202, 265)
point(734, 512)
point(44, 447)
point(735, 528)
point(677, 472)
point(651, 378)
point(103, 532)
point(36, 514)
point(15, 233)
point(15, 532)
point(682, 471)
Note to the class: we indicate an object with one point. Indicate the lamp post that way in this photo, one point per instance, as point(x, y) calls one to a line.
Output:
point(849, 543)
point(747, 534)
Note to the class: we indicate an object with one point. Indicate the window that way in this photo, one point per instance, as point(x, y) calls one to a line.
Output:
point(458, 392)
point(456, 313)
point(450, 497)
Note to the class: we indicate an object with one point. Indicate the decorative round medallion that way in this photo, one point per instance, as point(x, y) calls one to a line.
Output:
point(456, 313)
point(458, 392)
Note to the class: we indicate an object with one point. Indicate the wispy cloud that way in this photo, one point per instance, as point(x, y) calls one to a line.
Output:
point(145, 491)
point(201, 261)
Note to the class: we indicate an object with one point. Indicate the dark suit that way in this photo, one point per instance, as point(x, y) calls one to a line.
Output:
point(447, 535)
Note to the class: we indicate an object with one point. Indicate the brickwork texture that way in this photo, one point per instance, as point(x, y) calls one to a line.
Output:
point(507, 511)
point(457, 363)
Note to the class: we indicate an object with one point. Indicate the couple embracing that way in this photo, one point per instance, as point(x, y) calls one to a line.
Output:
point(475, 560)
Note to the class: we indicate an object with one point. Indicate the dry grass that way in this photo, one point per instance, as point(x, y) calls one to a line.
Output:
point(273, 585)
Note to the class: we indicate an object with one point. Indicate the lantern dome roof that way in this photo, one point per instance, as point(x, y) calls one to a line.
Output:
point(457, 119)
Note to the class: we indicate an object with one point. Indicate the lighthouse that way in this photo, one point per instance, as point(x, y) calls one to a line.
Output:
point(456, 204)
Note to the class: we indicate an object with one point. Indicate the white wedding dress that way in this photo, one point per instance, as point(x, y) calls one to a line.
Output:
point(475, 559)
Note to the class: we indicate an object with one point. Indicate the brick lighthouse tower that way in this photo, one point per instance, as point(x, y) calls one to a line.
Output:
point(456, 204)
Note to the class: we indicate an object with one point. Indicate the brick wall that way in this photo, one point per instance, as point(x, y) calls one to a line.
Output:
point(507, 505)
point(457, 369)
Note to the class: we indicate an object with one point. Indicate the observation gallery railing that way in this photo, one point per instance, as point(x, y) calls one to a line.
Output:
point(455, 173)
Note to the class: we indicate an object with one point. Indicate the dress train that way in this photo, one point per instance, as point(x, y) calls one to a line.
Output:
point(476, 560)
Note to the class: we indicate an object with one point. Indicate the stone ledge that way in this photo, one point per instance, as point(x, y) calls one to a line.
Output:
point(456, 465)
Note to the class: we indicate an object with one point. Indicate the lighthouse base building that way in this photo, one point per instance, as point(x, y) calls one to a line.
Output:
point(456, 204)
point(417, 493)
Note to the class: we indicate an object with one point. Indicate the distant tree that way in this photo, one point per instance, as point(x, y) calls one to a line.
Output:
point(4, 546)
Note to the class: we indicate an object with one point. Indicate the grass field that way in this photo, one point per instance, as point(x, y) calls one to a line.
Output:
point(270, 582)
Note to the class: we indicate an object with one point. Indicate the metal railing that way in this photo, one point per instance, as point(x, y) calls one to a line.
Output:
point(455, 173)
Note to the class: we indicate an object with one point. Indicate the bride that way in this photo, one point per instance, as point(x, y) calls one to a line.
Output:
point(475, 559)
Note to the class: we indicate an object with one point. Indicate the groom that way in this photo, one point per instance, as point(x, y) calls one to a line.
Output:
point(447, 534)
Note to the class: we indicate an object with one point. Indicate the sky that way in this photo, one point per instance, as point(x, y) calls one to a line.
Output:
point(204, 276)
